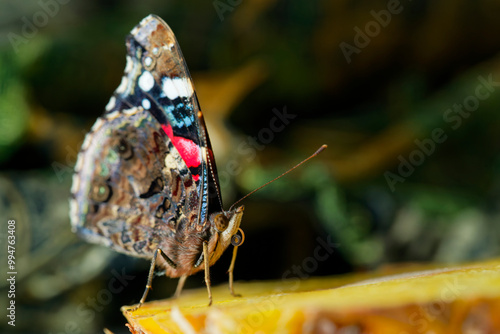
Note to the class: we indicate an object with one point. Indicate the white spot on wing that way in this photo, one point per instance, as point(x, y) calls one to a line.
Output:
point(73, 209)
point(146, 104)
point(130, 65)
point(123, 85)
point(113, 115)
point(148, 61)
point(111, 104)
point(131, 111)
point(146, 81)
point(79, 164)
point(170, 161)
point(97, 125)
point(76, 183)
point(86, 142)
point(177, 87)
point(186, 87)
point(169, 88)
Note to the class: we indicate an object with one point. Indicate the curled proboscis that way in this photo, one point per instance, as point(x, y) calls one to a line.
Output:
point(238, 239)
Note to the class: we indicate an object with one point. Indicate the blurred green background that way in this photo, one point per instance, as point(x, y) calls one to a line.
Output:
point(404, 94)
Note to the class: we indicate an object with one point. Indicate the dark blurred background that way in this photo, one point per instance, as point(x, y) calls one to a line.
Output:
point(404, 94)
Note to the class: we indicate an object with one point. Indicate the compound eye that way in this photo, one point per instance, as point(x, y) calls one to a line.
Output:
point(101, 191)
point(125, 149)
point(221, 222)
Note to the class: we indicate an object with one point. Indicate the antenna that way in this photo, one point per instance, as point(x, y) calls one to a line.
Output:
point(318, 151)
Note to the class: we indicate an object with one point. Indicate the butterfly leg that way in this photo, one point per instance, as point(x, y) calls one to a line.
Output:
point(207, 271)
point(151, 275)
point(231, 270)
point(180, 285)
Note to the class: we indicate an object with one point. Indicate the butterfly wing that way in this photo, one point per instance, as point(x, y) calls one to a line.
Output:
point(157, 78)
point(145, 177)
point(131, 189)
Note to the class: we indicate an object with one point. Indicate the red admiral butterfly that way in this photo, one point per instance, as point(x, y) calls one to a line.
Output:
point(145, 181)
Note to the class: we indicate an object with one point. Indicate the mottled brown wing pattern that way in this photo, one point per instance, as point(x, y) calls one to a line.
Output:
point(131, 189)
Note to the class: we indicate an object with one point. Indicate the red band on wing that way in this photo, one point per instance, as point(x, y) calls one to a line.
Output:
point(189, 151)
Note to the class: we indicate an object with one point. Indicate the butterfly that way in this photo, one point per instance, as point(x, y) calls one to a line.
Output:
point(145, 181)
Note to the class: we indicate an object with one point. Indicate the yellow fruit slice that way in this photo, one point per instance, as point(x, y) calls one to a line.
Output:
point(458, 299)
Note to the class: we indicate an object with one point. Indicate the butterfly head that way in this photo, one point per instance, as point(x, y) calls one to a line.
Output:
point(227, 225)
